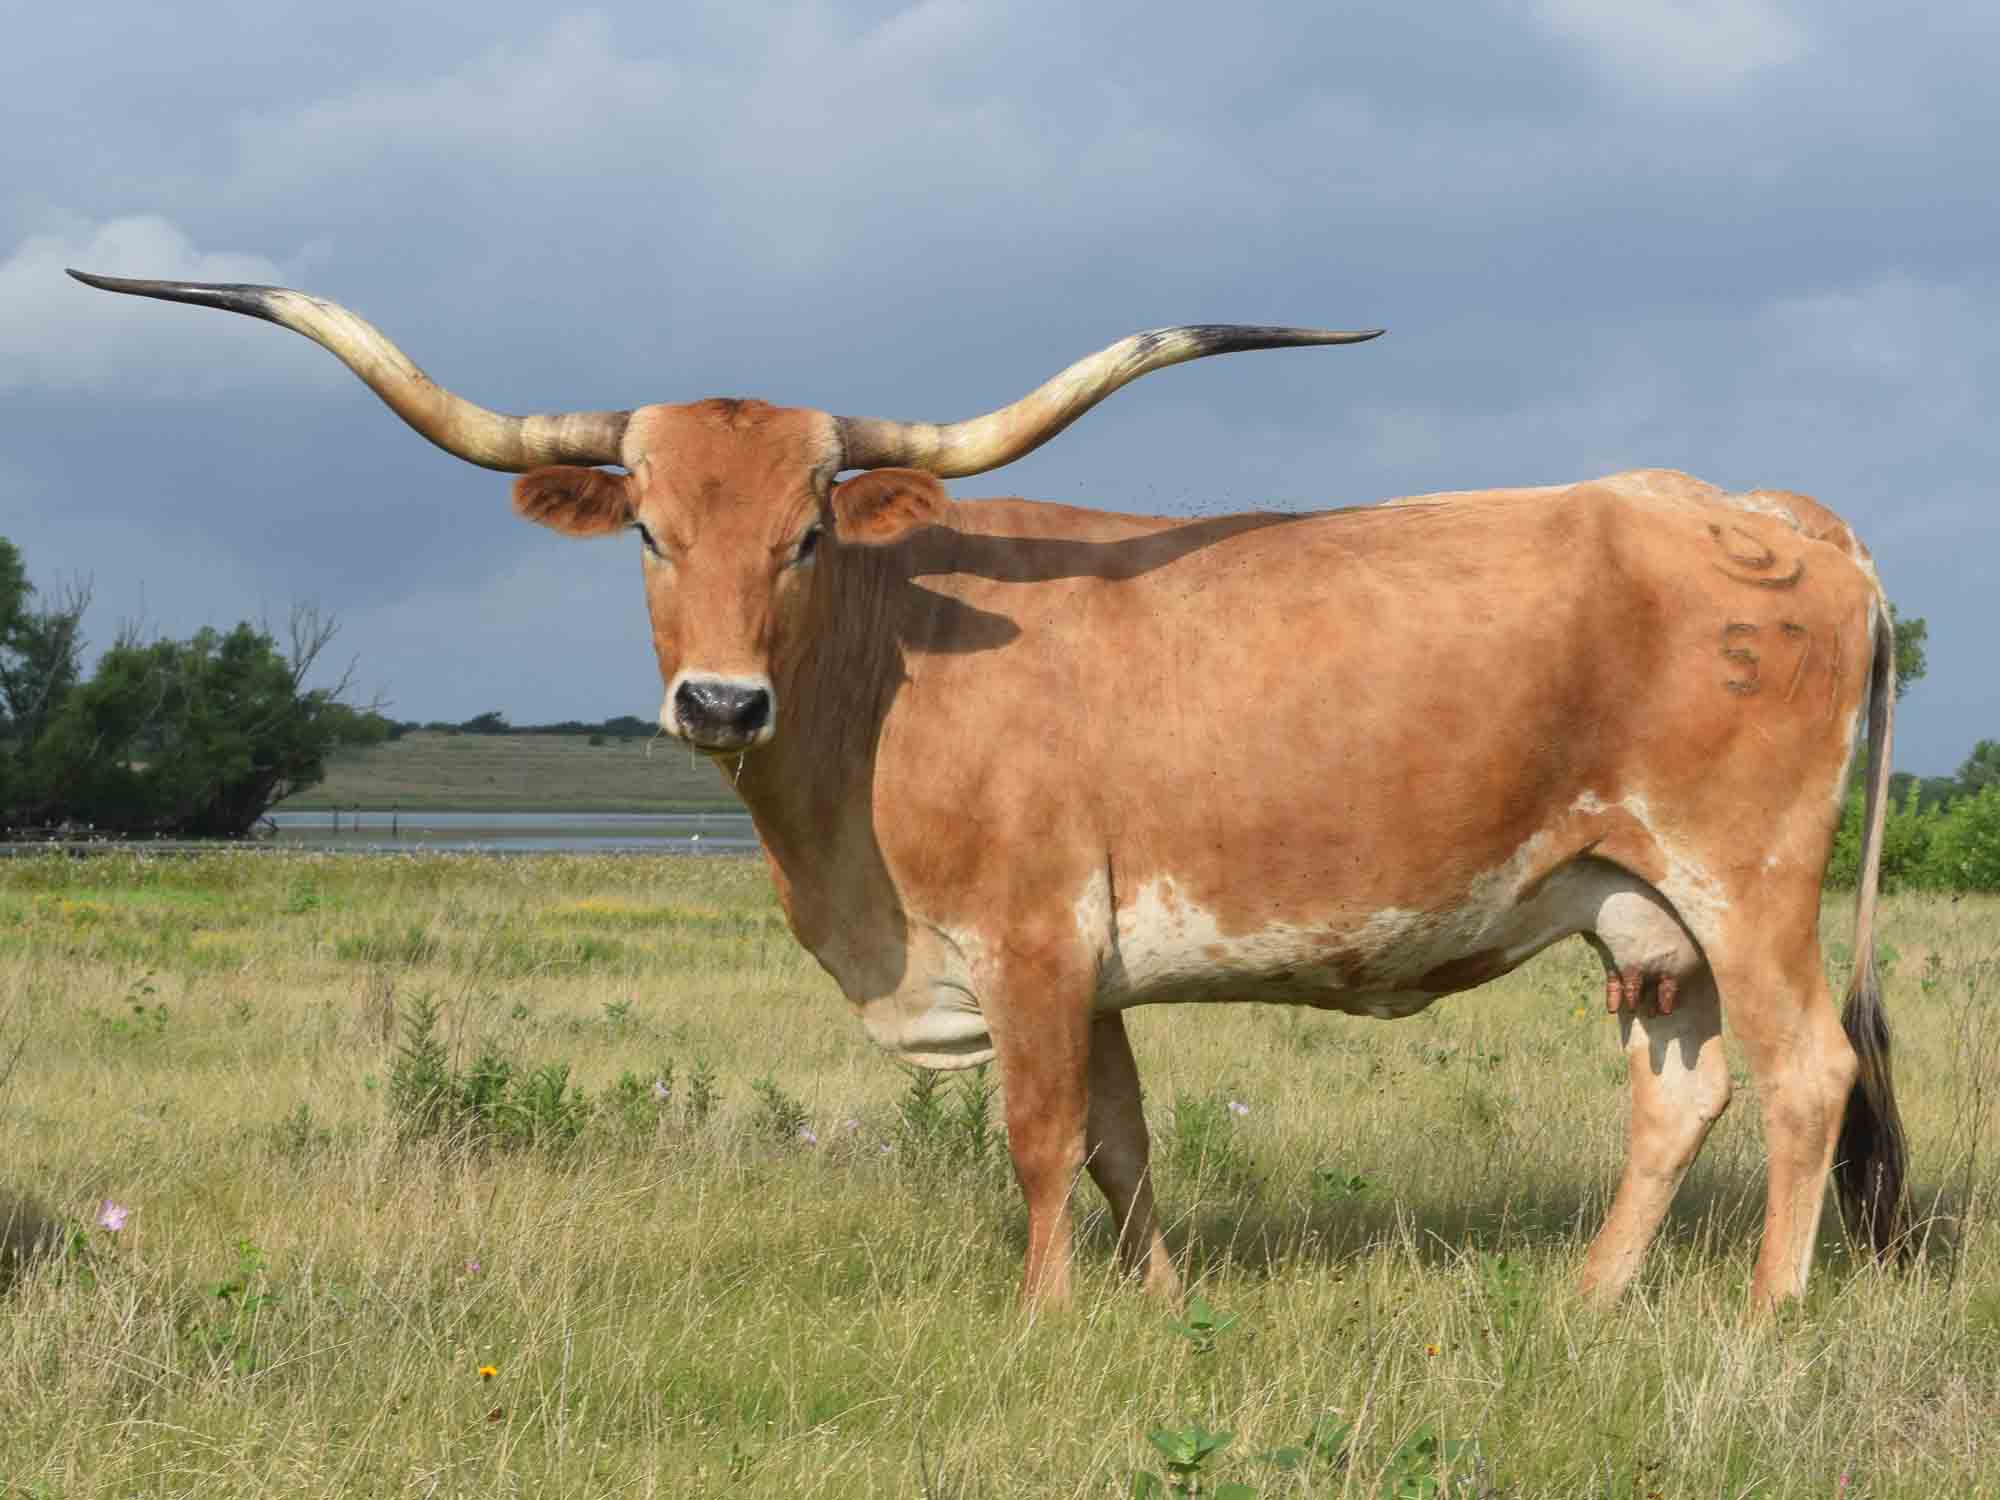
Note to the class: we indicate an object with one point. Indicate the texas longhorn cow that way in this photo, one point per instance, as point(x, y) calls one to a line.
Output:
point(1018, 767)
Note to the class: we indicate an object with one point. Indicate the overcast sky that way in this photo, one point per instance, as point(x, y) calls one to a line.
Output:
point(1750, 239)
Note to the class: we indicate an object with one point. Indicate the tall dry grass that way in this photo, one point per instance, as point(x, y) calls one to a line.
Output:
point(302, 1298)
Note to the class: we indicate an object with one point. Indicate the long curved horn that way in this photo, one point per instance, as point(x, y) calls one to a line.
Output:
point(981, 443)
point(490, 439)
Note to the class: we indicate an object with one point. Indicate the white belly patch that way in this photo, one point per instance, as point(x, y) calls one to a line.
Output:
point(1159, 945)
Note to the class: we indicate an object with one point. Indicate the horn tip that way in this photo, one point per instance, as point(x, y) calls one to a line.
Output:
point(143, 288)
point(230, 296)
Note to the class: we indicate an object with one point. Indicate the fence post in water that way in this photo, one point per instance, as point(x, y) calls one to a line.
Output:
point(336, 820)
point(395, 820)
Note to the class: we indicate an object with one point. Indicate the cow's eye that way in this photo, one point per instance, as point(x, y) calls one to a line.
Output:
point(646, 537)
point(808, 545)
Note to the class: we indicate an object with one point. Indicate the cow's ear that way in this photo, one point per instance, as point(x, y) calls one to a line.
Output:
point(575, 501)
point(886, 505)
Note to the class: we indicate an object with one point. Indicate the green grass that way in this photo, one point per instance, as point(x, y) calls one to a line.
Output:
point(433, 772)
point(692, 1303)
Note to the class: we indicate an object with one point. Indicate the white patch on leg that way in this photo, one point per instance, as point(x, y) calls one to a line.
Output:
point(1092, 910)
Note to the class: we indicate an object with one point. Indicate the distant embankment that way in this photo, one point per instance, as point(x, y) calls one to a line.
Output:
point(517, 772)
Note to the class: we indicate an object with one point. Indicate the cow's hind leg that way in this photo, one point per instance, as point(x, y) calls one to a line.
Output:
point(1680, 1087)
point(1781, 1013)
point(1117, 1148)
point(1670, 1026)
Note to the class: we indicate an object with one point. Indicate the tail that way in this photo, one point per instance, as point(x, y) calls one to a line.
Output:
point(1869, 1158)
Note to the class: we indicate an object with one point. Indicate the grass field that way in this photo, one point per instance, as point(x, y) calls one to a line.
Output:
point(795, 1274)
point(432, 772)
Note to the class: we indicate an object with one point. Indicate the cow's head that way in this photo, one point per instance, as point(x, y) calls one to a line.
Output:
point(736, 512)
point(732, 501)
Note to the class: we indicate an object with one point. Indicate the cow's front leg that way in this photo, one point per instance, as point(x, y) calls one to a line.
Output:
point(1041, 1036)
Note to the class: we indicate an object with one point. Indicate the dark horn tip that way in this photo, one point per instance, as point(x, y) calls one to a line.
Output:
point(230, 296)
point(1260, 336)
point(149, 288)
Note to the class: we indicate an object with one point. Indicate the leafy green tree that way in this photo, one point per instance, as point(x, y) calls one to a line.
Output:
point(14, 588)
point(1927, 844)
point(1907, 830)
point(1930, 791)
point(196, 737)
point(1964, 852)
point(359, 728)
point(1911, 662)
point(1981, 768)
point(39, 649)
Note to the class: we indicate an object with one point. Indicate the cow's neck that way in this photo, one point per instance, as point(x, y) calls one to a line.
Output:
point(810, 792)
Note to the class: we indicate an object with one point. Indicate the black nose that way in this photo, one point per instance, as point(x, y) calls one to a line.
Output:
point(710, 710)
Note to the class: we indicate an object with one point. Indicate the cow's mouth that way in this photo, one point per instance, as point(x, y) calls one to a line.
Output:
point(720, 715)
point(721, 745)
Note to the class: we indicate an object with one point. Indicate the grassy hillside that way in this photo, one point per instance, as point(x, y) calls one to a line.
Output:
point(502, 772)
point(756, 1260)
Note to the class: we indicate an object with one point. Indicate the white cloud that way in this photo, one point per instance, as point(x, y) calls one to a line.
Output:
point(59, 334)
point(556, 102)
point(783, 151)
point(1679, 46)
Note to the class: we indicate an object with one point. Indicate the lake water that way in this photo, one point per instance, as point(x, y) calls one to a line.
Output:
point(519, 833)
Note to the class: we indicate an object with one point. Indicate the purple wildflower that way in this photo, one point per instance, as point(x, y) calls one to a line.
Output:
point(112, 1216)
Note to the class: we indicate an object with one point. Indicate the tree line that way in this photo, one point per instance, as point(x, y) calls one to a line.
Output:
point(1941, 833)
point(494, 721)
point(194, 738)
point(190, 738)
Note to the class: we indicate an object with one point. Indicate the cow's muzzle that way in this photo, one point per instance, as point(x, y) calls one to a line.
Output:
point(721, 714)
